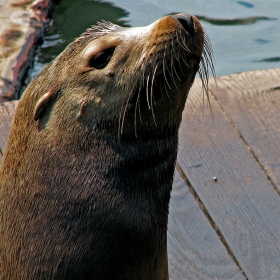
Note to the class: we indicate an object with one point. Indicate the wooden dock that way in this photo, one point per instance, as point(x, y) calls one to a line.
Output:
point(224, 220)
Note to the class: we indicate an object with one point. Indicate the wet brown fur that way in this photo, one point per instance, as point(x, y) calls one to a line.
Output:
point(88, 169)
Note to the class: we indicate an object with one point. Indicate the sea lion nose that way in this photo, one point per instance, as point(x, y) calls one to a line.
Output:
point(186, 21)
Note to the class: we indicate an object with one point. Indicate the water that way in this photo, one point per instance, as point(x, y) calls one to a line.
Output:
point(245, 34)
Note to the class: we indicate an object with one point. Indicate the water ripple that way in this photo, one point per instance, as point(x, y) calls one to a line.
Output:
point(233, 21)
point(246, 4)
point(269, 59)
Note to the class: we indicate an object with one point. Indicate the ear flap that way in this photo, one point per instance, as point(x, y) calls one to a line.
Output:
point(43, 103)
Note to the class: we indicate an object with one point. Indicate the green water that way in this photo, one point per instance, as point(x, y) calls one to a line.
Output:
point(245, 34)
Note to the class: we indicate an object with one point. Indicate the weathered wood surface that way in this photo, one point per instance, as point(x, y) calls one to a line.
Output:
point(238, 143)
point(195, 251)
point(228, 228)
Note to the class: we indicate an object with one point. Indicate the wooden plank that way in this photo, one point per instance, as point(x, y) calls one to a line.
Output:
point(255, 111)
point(194, 249)
point(242, 202)
point(7, 111)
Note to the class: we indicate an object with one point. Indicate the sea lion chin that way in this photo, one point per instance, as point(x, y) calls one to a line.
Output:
point(88, 168)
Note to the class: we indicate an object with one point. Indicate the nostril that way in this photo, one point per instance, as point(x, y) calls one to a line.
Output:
point(187, 22)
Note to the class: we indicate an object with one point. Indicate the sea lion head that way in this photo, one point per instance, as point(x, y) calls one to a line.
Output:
point(134, 80)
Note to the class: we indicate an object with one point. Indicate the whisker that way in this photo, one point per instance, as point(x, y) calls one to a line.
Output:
point(147, 92)
point(183, 43)
point(170, 71)
point(172, 76)
point(135, 112)
point(175, 37)
point(164, 70)
point(173, 51)
point(208, 53)
point(166, 91)
point(153, 77)
point(124, 113)
point(179, 56)
point(152, 86)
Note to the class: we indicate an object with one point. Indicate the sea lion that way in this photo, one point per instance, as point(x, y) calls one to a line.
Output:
point(88, 168)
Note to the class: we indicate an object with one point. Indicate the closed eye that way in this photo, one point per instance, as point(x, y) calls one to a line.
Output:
point(101, 60)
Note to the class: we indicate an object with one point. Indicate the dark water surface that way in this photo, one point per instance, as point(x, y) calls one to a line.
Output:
point(245, 34)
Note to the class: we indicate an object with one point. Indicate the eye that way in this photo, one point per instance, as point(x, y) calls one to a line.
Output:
point(100, 60)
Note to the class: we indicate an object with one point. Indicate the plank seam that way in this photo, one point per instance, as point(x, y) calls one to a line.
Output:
point(251, 151)
point(208, 216)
